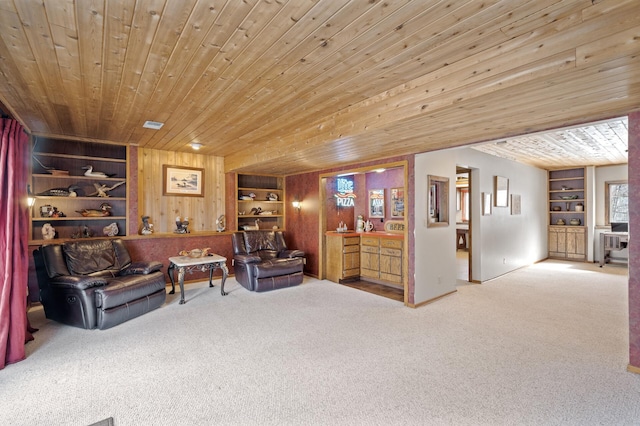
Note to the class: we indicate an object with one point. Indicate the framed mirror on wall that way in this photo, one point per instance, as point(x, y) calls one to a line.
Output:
point(501, 190)
point(438, 201)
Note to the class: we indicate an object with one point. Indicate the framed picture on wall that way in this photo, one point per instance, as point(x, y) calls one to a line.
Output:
point(376, 203)
point(397, 202)
point(187, 181)
point(516, 204)
point(486, 203)
point(501, 191)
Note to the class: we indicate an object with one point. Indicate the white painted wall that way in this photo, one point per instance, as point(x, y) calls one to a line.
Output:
point(519, 240)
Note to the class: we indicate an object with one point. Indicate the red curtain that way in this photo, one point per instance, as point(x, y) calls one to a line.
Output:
point(14, 261)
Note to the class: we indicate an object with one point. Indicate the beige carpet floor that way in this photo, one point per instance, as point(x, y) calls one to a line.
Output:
point(545, 345)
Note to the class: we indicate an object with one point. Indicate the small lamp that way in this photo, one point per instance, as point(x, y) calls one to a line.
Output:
point(297, 204)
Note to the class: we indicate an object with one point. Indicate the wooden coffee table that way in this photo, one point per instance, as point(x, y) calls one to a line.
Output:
point(189, 264)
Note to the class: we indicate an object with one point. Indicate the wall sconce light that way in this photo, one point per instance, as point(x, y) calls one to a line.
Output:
point(31, 200)
point(297, 204)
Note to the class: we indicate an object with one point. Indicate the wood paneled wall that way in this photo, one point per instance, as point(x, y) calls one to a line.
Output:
point(163, 209)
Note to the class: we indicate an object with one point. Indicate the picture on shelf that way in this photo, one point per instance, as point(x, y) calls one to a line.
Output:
point(187, 181)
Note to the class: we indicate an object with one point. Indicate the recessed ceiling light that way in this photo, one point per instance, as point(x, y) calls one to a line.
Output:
point(152, 125)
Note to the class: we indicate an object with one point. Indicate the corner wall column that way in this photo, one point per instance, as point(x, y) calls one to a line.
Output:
point(634, 231)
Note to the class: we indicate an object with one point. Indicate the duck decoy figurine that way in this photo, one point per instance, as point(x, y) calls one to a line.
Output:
point(89, 172)
point(70, 191)
point(104, 210)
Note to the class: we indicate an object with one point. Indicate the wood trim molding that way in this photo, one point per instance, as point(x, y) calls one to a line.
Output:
point(632, 369)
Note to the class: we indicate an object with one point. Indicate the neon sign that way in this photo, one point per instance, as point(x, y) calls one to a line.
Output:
point(345, 197)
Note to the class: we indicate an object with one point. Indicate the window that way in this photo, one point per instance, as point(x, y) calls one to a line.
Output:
point(617, 202)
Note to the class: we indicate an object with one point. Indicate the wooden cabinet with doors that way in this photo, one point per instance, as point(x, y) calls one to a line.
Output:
point(381, 259)
point(567, 243)
point(343, 256)
point(568, 213)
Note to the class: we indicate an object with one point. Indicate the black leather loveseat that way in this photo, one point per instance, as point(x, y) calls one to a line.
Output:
point(262, 261)
point(94, 283)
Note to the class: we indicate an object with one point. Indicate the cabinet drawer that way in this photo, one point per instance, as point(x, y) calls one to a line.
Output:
point(386, 242)
point(350, 241)
point(351, 249)
point(390, 252)
point(370, 241)
point(369, 249)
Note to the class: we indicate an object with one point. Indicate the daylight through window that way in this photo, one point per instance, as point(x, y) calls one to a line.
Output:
point(617, 202)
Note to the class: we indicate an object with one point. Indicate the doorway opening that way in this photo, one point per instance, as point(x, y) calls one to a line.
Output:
point(463, 225)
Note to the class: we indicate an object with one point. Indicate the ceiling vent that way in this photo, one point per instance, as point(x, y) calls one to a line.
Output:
point(152, 125)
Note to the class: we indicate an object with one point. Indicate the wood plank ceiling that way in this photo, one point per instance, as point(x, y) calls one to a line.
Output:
point(289, 86)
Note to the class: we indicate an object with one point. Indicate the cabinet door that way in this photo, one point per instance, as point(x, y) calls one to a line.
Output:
point(576, 243)
point(557, 242)
point(391, 265)
point(369, 261)
point(351, 264)
point(351, 257)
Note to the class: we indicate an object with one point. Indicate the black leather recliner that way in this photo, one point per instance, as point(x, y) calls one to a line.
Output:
point(263, 262)
point(94, 284)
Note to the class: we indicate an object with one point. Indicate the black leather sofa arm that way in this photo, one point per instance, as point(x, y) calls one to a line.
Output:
point(81, 282)
point(291, 253)
point(141, 268)
point(247, 258)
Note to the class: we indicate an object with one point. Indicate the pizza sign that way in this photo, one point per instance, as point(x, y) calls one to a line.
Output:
point(345, 197)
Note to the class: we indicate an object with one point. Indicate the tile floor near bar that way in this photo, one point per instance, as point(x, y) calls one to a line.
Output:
point(398, 293)
point(379, 289)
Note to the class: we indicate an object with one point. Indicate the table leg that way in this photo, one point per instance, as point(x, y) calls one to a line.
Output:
point(170, 272)
point(225, 272)
point(181, 282)
point(211, 268)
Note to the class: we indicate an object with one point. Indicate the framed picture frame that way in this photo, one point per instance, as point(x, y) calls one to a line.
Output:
point(376, 203)
point(516, 204)
point(397, 202)
point(486, 203)
point(501, 191)
point(437, 201)
point(184, 181)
